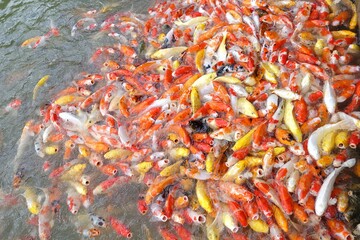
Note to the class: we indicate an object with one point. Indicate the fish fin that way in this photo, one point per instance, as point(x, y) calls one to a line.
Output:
point(217, 221)
point(141, 177)
point(53, 29)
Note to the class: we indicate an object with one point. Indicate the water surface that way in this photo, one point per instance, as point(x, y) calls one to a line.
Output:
point(62, 58)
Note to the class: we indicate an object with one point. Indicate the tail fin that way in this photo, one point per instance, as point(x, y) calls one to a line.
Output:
point(54, 31)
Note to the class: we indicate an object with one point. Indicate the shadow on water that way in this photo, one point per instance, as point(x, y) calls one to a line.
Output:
point(3, 4)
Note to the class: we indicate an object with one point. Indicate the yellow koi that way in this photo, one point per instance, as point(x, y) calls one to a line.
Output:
point(353, 20)
point(253, 161)
point(277, 151)
point(228, 79)
point(325, 161)
point(270, 77)
point(32, 201)
point(67, 99)
point(272, 68)
point(247, 108)
point(328, 142)
point(203, 196)
point(204, 80)
point(117, 153)
point(343, 34)
point(259, 226)
point(39, 84)
point(173, 137)
point(168, 53)
point(319, 46)
point(234, 171)
point(143, 167)
point(229, 221)
point(354, 48)
point(291, 122)
point(74, 172)
point(179, 153)
point(171, 170)
point(244, 141)
point(209, 162)
point(212, 231)
point(221, 52)
point(198, 30)
point(280, 218)
point(84, 151)
point(81, 189)
point(342, 139)
point(199, 58)
point(343, 201)
point(51, 150)
point(161, 37)
point(191, 80)
point(176, 64)
point(191, 22)
point(195, 99)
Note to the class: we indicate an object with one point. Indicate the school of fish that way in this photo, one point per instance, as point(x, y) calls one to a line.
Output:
point(241, 118)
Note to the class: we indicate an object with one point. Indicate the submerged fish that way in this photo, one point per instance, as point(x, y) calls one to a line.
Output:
point(221, 109)
point(37, 41)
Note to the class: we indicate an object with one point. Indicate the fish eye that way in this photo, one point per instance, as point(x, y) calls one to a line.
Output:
point(106, 64)
point(55, 150)
point(109, 95)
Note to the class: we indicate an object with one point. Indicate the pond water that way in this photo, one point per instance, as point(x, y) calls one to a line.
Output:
point(62, 58)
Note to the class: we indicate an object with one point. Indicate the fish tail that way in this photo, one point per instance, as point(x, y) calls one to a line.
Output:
point(53, 29)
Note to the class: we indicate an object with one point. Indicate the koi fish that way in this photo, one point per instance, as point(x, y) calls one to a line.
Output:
point(39, 84)
point(46, 216)
point(37, 41)
point(13, 105)
point(323, 196)
point(32, 200)
point(120, 228)
point(85, 24)
point(230, 116)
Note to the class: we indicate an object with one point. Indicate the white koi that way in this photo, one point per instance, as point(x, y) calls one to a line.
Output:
point(317, 136)
point(287, 94)
point(323, 196)
point(329, 97)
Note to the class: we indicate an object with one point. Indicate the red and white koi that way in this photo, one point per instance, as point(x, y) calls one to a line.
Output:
point(84, 24)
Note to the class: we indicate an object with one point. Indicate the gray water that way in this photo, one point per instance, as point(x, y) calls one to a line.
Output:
point(62, 58)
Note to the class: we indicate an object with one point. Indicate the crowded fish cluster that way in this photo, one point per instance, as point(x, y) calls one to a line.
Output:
point(240, 118)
